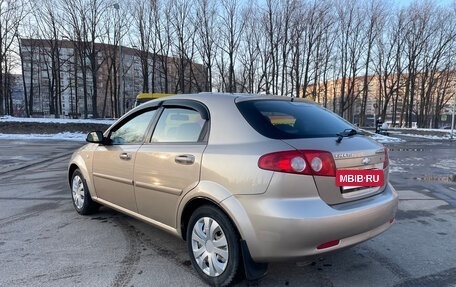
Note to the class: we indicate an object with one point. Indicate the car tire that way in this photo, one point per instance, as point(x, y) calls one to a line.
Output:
point(82, 201)
point(213, 246)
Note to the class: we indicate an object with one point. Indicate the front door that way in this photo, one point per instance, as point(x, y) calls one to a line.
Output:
point(113, 164)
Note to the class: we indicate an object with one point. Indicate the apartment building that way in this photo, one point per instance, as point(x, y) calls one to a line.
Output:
point(58, 81)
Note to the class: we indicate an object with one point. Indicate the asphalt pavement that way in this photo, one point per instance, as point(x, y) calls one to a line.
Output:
point(44, 242)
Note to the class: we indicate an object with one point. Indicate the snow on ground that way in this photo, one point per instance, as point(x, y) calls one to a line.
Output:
point(73, 136)
point(430, 134)
point(394, 167)
point(442, 134)
point(53, 120)
point(59, 136)
point(431, 137)
point(386, 139)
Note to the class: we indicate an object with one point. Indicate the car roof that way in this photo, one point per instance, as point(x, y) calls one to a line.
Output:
point(235, 97)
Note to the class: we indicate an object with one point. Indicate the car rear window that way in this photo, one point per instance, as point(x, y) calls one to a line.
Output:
point(280, 119)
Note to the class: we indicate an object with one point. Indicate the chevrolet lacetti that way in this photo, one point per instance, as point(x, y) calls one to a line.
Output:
point(243, 179)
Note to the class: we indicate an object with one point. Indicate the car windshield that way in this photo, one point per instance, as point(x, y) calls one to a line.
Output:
point(280, 119)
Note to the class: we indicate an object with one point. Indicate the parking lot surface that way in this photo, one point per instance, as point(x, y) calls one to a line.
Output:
point(44, 242)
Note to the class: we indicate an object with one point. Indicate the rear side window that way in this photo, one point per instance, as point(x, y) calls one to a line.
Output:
point(178, 125)
point(279, 119)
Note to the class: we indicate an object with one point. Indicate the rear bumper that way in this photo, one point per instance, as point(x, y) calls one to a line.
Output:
point(280, 229)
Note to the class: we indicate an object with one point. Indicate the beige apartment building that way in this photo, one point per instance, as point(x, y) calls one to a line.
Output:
point(56, 83)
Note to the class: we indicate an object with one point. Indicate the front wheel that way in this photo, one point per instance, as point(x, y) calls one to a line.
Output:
point(82, 201)
point(213, 245)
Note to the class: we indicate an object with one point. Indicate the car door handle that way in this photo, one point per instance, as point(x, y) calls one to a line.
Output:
point(186, 159)
point(125, 156)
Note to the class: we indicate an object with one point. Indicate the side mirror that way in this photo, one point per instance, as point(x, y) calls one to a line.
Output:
point(95, 137)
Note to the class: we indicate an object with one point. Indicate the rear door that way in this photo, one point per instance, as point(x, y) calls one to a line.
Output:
point(169, 165)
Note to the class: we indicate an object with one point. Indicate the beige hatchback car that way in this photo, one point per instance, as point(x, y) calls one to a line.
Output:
point(244, 179)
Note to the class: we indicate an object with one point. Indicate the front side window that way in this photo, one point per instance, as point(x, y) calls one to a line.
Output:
point(179, 125)
point(134, 130)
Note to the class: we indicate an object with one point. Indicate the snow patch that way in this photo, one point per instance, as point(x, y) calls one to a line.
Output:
point(59, 136)
point(59, 121)
point(386, 139)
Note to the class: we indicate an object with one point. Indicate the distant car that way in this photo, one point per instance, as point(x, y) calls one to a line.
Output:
point(145, 97)
point(244, 179)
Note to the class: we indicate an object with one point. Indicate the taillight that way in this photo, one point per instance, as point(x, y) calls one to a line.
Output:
point(386, 161)
point(309, 162)
point(322, 162)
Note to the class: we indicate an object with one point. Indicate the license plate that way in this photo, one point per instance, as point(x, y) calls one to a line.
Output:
point(364, 177)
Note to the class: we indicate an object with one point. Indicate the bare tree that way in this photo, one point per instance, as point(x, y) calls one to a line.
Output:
point(163, 35)
point(280, 26)
point(83, 28)
point(350, 45)
point(325, 58)
point(49, 23)
point(231, 26)
point(376, 16)
point(445, 91)
point(76, 31)
point(333, 52)
point(273, 33)
point(112, 32)
point(388, 68)
point(417, 35)
point(11, 14)
point(322, 49)
point(204, 21)
point(28, 32)
point(248, 77)
point(184, 32)
point(143, 22)
point(435, 63)
point(314, 26)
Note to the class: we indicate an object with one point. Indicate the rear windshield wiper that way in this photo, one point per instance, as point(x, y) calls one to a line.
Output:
point(346, 133)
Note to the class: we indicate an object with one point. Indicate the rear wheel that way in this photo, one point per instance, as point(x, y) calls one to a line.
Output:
point(82, 201)
point(213, 245)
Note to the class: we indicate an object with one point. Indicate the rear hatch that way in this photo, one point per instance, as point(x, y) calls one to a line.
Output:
point(352, 153)
point(308, 128)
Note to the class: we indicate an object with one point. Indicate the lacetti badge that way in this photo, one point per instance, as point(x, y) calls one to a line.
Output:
point(365, 177)
point(342, 155)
